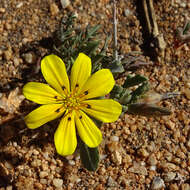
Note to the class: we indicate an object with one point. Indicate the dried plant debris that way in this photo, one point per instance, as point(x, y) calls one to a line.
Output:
point(158, 42)
point(11, 103)
point(183, 34)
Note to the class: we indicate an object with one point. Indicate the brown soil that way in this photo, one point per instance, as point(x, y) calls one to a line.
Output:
point(137, 152)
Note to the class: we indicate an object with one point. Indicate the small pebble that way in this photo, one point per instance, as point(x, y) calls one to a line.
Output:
point(29, 57)
point(157, 183)
point(169, 176)
point(71, 162)
point(10, 187)
point(8, 54)
point(65, 3)
point(57, 182)
point(19, 5)
point(153, 168)
point(43, 174)
point(43, 181)
point(111, 182)
point(54, 9)
point(138, 169)
point(114, 138)
point(187, 93)
point(127, 12)
point(16, 61)
point(152, 161)
point(117, 157)
point(174, 187)
point(2, 10)
point(185, 186)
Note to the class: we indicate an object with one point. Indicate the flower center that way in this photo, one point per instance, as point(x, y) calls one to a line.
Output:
point(71, 102)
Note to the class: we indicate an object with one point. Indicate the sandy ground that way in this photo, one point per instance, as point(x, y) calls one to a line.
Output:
point(137, 152)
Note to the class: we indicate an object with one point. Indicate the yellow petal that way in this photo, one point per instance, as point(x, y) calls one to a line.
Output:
point(87, 130)
point(103, 110)
point(80, 72)
point(65, 136)
point(43, 114)
point(54, 72)
point(99, 84)
point(41, 93)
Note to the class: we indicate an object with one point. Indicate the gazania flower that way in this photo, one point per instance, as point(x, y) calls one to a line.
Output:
point(74, 100)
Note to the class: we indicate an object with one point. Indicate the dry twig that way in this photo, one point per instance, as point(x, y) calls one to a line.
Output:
point(115, 30)
point(159, 43)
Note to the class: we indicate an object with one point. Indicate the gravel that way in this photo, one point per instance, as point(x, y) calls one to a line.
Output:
point(137, 152)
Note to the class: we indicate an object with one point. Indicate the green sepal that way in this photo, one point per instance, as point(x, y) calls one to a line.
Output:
point(132, 81)
point(147, 110)
point(89, 156)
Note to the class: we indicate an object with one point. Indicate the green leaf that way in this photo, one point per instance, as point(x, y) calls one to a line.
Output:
point(89, 156)
point(126, 97)
point(92, 31)
point(116, 67)
point(147, 109)
point(116, 91)
point(142, 89)
point(186, 28)
point(90, 47)
point(132, 81)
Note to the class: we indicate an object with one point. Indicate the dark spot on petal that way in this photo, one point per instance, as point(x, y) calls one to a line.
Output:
point(89, 106)
point(58, 110)
point(63, 87)
point(86, 92)
point(80, 117)
point(77, 85)
point(69, 118)
point(55, 97)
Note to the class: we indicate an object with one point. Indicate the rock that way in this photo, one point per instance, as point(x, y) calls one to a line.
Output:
point(185, 186)
point(43, 174)
point(19, 5)
point(157, 183)
point(54, 9)
point(170, 124)
point(2, 10)
point(38, 186)
point(113, 146)
point(153, 168)
point(169, 167)
point(187, 93)
point(57, 182)
point(16, 61)
point(114, 138)
point(71, 162)
point(174, 187)
point(127, 12)
point(169, 176)
point(43, 181)
point(10, 187)
point(8, 54)
point(138, 169)
point(152, 161)
point(143, 152)
point(111, 182)
point(65, 3)
point(117, 157)
point(29, 57)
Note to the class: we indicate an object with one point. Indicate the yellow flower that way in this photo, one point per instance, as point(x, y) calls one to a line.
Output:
point(72, 100)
